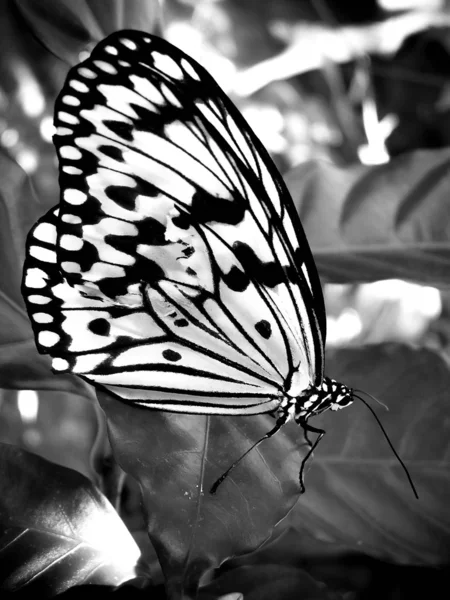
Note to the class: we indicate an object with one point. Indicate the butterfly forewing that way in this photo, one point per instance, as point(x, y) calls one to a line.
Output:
point(176, 273)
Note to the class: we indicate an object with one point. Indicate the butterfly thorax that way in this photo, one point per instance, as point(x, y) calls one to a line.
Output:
point(329, 395)
point(316, 399)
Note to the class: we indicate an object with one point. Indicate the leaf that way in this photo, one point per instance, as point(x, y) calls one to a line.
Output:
point(366, 223)
point(268, 582)
point(67, 29)
point(351, 574)
point(176, 459)
point(57, 529)
point(21, 367)
point(357, 493)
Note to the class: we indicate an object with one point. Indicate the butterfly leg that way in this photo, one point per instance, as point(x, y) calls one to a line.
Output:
point(283, 418)
point(309, 428)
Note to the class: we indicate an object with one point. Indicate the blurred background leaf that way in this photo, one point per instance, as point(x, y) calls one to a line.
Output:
point(358, 492)
point(367, 223)
point(67, 29)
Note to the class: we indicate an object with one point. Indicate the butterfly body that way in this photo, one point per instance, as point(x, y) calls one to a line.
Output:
point(175, 272)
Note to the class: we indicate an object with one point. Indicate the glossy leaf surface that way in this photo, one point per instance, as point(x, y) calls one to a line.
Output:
point(56, 529)
point(176, 458)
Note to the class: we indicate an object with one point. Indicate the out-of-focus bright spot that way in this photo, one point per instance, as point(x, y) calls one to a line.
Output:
point(395, 5)
point(344, 328)
point(192, 41)
point(370, 155)
point(267, 122)
point(47, 128)
point(389, 310)
point(397, 310)
point(184, 36)
point(321, 133)
point(424, 299)
point(28, 160)
point(432, 302)
point(377, 131)
point(28, 405)
point(29, 93)
point(32, 437)
point(9, 138)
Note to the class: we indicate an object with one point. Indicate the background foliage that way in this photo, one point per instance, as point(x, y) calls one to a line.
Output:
point(352, 101)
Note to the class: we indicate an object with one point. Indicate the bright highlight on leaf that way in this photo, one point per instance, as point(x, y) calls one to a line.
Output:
point(344, 328)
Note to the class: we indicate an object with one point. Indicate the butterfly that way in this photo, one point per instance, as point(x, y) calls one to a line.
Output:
point(175, 272)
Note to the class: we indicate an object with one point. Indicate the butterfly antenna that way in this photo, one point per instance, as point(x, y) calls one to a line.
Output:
point(279, 424)
point(372, 398)
point(413, 487)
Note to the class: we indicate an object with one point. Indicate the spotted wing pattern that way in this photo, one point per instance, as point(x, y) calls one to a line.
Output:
point(175, 271)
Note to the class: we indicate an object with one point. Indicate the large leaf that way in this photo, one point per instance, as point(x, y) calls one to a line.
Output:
point(67, 28)
point(21, 367)
point(358, 504)
point(357, 493)
point(176, 458)
point(380, 222)
point(56, 529)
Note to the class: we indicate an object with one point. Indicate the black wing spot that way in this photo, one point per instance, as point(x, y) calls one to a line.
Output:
point(207, 208)
point(236, 279)
point(171, 355)
point(265, 273)
point(123, 196)
point(151, 232)
point(112, 152)
point(121, 129)
point(264, 329)
point(181, 322)
point(182, 221)
point(188, 251)
point(100, 327)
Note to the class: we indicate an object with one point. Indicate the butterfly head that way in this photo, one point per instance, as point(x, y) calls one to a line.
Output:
point(329, 395)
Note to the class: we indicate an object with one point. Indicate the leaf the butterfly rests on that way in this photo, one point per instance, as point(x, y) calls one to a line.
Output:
point(175, 272)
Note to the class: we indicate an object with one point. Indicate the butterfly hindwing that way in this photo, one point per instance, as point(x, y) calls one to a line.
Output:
point(179, 276)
